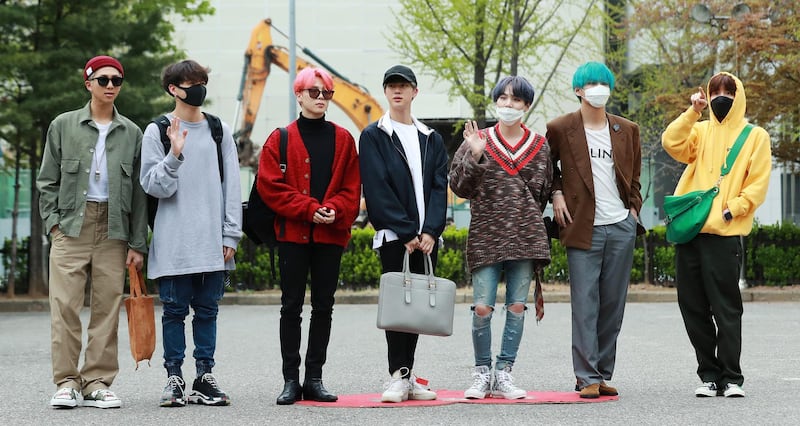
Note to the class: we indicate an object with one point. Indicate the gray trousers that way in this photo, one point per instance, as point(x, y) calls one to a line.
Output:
point(599, 279)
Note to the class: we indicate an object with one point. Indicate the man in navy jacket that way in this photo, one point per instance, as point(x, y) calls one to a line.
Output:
point(404, 164)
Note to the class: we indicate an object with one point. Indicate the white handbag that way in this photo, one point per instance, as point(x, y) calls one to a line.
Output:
point(416, 303)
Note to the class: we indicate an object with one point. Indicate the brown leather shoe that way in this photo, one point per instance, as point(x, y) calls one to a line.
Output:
point(607, 390)
point(592, 391)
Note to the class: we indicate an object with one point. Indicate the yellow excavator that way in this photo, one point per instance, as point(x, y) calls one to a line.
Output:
point(352, 98)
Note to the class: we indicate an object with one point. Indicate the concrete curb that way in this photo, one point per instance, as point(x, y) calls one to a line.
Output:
point(553, 294)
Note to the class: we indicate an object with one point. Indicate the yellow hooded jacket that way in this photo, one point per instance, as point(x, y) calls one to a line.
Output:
point(703, 146)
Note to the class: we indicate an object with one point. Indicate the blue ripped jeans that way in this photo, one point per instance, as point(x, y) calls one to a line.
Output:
point(518, 276)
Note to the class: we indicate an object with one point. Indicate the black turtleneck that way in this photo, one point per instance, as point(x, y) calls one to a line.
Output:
point(319, 137)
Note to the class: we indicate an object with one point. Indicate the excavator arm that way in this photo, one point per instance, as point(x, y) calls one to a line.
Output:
point(353, 99)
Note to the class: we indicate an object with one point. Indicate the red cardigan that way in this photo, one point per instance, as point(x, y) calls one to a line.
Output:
point(291, 200)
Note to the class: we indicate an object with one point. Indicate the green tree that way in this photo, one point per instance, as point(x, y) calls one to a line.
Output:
point(675, 54)
point(44, 45)
point(472, 44)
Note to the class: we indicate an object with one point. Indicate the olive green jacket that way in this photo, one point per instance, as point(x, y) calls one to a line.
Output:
point(63, 179)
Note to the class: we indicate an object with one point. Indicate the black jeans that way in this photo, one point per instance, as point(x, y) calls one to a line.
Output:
point(401, 346)
point(296, 262)
point(707, 276)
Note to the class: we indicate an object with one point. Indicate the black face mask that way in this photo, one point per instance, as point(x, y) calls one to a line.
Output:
point(195, 95)
point(721, 105)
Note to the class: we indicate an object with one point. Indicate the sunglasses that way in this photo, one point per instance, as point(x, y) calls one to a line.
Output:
point(103, 80)
point(313, 92)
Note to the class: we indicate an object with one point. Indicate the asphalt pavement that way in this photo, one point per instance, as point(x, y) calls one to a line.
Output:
point(655, 372)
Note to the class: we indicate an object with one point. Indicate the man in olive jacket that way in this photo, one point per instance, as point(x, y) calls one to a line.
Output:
point(596, 203)
point(96, 214)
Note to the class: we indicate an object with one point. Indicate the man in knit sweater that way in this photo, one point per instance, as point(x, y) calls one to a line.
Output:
point(505, 172)
point(596, 203)
point(196, 231)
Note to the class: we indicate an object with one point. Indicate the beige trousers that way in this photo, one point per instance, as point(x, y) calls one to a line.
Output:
point(72, 261)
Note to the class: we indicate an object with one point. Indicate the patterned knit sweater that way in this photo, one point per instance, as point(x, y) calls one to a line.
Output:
point(508, 187)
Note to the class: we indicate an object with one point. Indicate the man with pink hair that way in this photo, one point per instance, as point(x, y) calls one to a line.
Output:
point(316, 200)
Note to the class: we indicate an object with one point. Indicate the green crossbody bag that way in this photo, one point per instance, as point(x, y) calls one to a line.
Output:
point(686, 214)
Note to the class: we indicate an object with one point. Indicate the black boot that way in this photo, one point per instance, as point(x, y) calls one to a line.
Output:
point(313, 390)
point(292, 392)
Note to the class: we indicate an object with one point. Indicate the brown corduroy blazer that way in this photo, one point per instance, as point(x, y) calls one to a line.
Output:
point(573, 176)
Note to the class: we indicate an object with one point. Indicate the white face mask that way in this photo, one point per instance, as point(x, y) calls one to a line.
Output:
point(509, 115)
point(597, 96)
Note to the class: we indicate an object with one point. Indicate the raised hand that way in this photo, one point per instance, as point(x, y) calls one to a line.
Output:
point(176, 137)
point(699, 101)
point(475, 138)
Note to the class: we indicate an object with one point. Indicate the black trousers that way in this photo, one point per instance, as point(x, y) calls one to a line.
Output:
point(707, 275)
point(401, 346)
point(297, 262)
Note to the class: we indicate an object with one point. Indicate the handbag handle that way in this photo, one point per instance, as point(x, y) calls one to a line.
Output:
point(428, 274)
point(138, 289)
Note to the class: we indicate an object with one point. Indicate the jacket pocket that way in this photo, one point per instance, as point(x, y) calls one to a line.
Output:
point(68, 189)
point(126, 187)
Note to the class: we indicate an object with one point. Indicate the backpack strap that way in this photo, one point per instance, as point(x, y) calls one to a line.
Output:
point(163, 122)
point(282, 148)
point(216, 132)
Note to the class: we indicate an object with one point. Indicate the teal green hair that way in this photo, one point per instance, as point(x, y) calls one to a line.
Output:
point(592, 73)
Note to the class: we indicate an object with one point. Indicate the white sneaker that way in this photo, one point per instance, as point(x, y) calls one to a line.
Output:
point(732, 390)
point(420, 391)
point(397, 388)
point(66, 398)
point(481, 383)
point(504, 385)
point(707, 390)
point(102, 398)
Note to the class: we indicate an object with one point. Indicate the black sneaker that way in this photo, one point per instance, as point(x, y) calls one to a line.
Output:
point(206, 391)
point(174, 394)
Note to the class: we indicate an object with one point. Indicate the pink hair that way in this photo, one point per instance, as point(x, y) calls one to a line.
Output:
point(306, 77)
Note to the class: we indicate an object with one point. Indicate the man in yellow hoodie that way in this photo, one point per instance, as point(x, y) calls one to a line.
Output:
point(707, 267)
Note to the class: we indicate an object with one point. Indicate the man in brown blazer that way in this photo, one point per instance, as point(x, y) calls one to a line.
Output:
point(596, 201)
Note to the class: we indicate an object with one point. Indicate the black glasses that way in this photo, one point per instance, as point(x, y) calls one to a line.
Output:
point(103, 80)
point(314, 93)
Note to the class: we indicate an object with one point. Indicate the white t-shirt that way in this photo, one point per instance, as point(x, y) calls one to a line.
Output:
point(98, 175)
point(609, 208)
point(409, 139)
point(407, 133)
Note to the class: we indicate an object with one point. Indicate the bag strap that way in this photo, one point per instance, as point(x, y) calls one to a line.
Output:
point(283, 147)
point(137, 287)
point(215, 125)
point(734, 152)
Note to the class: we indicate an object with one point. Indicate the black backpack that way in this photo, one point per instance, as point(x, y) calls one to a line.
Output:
point(257, 219)
point(163, 122)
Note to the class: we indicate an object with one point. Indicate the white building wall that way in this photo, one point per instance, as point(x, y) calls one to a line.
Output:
point(349, 35)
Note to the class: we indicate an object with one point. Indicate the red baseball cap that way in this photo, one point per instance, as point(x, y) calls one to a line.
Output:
point(98, 62)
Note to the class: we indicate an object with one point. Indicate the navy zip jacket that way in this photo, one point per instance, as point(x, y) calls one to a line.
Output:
point(388, 188)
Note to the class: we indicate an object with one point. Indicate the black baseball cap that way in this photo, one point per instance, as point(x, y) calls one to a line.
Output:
point(402, 72)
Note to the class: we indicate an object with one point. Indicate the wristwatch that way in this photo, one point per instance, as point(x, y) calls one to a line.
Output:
point(727, 215)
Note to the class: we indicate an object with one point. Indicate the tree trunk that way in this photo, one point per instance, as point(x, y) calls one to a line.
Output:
point(12, 270)
point(37, 285)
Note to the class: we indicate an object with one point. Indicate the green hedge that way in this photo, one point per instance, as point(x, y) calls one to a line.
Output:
point(772, 258)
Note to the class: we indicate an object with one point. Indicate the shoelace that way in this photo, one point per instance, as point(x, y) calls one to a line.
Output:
point(403, 371)
point(505, 380)
point(480, 380)
point(102, 394)
point(175, 382)
point(65, 394)
point(208, 378)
